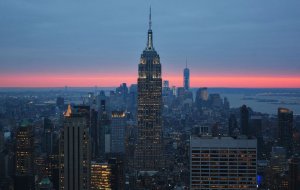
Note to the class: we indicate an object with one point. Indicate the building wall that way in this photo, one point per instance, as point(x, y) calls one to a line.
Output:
point(148, 153)
point(118, 125)
point(222, 163)
point(75, 153)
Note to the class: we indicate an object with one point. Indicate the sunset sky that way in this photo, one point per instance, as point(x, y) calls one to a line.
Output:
point(232, 43)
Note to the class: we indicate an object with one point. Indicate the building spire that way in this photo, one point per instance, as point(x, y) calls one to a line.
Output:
point(150, 22)
point(150, 39)
point(68, 112)
point(185, 62)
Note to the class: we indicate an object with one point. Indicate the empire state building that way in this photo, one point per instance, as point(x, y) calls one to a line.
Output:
point(148, 152)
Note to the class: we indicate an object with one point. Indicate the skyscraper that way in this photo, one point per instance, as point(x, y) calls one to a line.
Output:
point(118, 125)
point(285, 129)
point(148, 153)
point(244, 119)
point(47, 136)
point(256, 124)
point(102, 131)
point(186, 77)
point(24, 157)
point(75, 149)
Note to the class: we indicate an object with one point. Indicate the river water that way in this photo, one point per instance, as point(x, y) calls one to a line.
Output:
point(262, 100)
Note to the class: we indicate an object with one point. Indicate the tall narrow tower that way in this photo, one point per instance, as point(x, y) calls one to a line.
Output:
point(148, 153)
point(75, 149)
point(186, 77)
point(24, 174)
point(285, 129)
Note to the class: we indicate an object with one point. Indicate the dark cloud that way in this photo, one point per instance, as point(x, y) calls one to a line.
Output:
point(249, 36)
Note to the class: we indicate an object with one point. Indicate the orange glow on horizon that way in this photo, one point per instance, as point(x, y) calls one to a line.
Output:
point(111, 81)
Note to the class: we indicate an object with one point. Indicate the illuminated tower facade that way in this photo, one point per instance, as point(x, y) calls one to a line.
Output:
point(148, 152)
point(100, 176)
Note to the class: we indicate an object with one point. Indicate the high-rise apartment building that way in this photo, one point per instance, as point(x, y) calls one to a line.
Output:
point(285, 129)
point(75, 149)
point(222, 163)
point(148, 153)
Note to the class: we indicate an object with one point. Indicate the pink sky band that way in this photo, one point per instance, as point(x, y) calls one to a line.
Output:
point(111, 81)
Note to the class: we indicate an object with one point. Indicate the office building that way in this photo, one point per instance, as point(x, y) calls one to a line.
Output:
point(94, 128)
point(117, 178)
point(181, 92)
point(75, 149)
point(215, 101)
point(285, 129)
point(232, 126)
point(294, 173)
point(102, 132)
point(100, 176)
point(256, 131)
point(201, 98)
point(1, 138)
point(278, 159)
point(118, 125)
point(148, 153)
point(24, 157)
point(173, 89)
point(222, 163)
point(132, 100)
point(122, 90)
point(275, 175)
point(244, 120)
point(47, 136)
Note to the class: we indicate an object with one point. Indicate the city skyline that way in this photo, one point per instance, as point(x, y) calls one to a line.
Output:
point(60, 44)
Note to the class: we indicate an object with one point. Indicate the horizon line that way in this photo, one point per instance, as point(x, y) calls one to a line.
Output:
point(43, 87)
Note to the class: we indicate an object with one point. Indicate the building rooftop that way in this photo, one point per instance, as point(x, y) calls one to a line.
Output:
point(222, 142)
